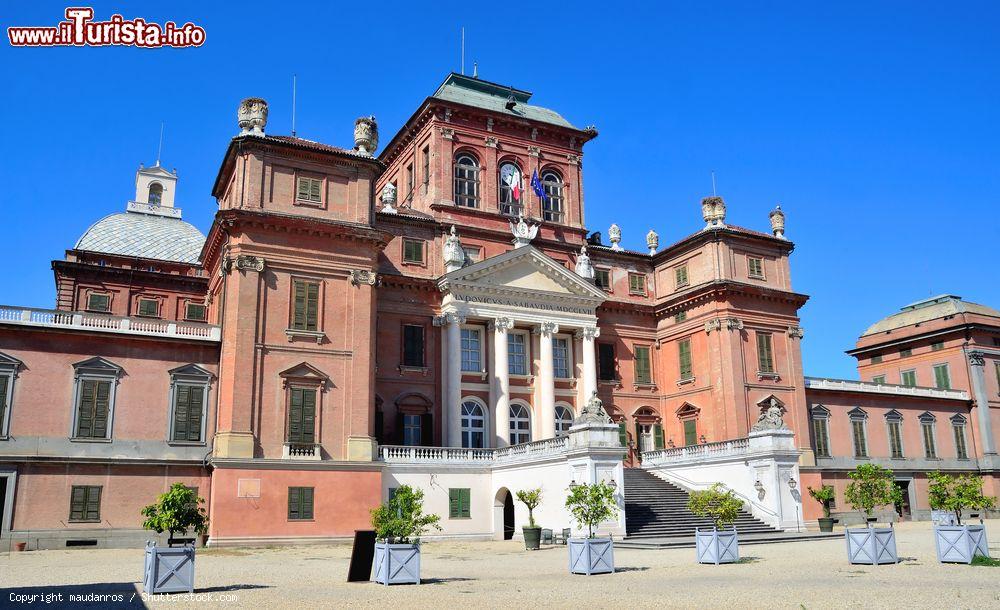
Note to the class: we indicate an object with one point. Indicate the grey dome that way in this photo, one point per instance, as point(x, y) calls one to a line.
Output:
point(144, 236)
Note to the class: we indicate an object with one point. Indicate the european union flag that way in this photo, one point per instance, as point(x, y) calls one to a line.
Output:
point(536, 185)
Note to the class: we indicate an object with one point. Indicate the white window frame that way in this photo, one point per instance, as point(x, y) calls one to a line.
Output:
point(570, 363)
point(94, 369)
point(928, 419)
point(195, 376)
point(485, 422)
point(859, 415)
point(526, 336)
point(482, 348)
point(510, 427)
point(894, 417)
point(902, 382)
point(959, 423)
point(9, 368)
point(822, 414)
point(419, 427)
point(561, 422)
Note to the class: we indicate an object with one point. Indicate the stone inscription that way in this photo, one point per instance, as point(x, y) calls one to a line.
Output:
point(488, 300)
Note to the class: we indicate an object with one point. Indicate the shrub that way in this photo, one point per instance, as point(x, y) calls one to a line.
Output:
point(721, 505)
point(592, 505)
point(176, 511)
point(871, 486)
point(824, 495)
point(530, 498)
point(401, 518)
point(956, 493)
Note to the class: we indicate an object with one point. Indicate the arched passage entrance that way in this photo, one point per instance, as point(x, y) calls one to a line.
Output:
point(503, 515)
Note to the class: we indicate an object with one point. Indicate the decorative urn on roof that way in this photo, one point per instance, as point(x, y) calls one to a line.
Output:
point(252, 116)
point(366, 135)
point(454, 255)
point(652, 241)
point(713, 210)
point(615, 236)
point(777, 222)
point(583, 267)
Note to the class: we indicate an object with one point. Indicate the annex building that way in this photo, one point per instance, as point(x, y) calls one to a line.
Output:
point(439, 314)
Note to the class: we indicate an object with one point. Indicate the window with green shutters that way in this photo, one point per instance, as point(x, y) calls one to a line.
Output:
point(681, 276)
point(895, 439)
point(458, 503)
point(98, 302)
point(302, 416)
point(189, 408)
point(878, 379)
point(937, 346)
point(305, 308)
point(643, 370)
point(413, 251)
point(623, 433)
point(690, 432)
point(684, 356)
point(755, 267)
point(85, 503)
point(637, 284)
point(4, 389)
point(300, 503)
point(680, 316)
point(876, 359)
point(905, 352)
point(602, 279)
point(941, 377)
point(149, 308)
point(413, 345)
point(658, 436)
point(908, 378)
point(930, 447)
point(196, 312)
point(821, 436)
point(765, 353)
point(958, 431)
point(859, 434)
point(92, 409)
point(309, 190)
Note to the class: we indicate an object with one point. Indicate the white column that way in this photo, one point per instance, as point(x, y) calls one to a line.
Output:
point(546, 380)
point(587, 336)
point(501, 382)
point(453, 380)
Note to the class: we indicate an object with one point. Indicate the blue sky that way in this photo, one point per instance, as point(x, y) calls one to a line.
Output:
point(874, 125)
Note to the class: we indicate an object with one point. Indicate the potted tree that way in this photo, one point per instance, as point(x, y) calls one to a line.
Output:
point(170, 569)
point(824, 495)
point(962, 542)
point(398, 524)
point(871, 486)
point(723, 507)
point(590, 506)
point(532, 533)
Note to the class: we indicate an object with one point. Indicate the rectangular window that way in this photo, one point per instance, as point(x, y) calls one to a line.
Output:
point(189, 407)
point(412, 430)
point(860, 440)
point(309, 190)
point(930, 449)
point(765, 354)
point(85, 503)
point(895, 439)
point(681, 276)
point(427, 164)
point(961, 451)
point(643, 370)
point(517, 354)
point(878, 379)
point(473, 253)
point(300, 503)
point(637, 284)
point(302, 416)
point(410, 180)
point(472, 361)
point(908, 378)
point(680, 316)
point(602, 279)
point(905, 352)
point(93, 404)
point(821, 436)
point(876, 359)
point(684, 357)
point(560, 357)
point(305, 310)
point(938, 346)
point(413, 345)
point(413, 251)
point(5, 379)
point(690, 432)
point(98, 302)
point(196, 312)
point(942, 380)
point(755, 267)
point(458, 503)
point(149, 308)
point(606, 361)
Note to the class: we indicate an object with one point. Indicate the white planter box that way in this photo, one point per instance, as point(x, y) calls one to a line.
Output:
point(871, 545)
point(591, 556)
point(396, 564)
point(168, 569)
point(960, 543)
point(714, 546)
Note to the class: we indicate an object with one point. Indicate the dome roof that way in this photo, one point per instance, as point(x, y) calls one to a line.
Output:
point(929, 309)
point(140, 235)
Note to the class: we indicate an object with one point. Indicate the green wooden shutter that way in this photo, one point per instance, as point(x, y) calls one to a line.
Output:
point(454, 503)
point(941, 377)
point(3, 399)
point(78, 503)
point(303, 190)
point(101, 408)
point(822, 438)
point(195, 410)
point(308, 416)
point(622, 433)
point(295, 416)
point(312, 306)
point(765, 358)
point(294, 503)
point(93, 503)
point(85, 410)
point(307, 502)
point(314, 190)
point(182, 406)
point(690, 432)
point(657, 436)
point(638, 436)
point(960, 450)
point(684, 355)
point(299, 307)
point(642, 368)
point(466, 497)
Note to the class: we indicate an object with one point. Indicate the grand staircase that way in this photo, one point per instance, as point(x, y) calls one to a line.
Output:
point(655, 509)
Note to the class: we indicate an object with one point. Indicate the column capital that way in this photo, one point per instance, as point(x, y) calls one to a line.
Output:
point(501, 324)
point(546, 328)
point(448, 318)
point(588, 332)
point(977, 358)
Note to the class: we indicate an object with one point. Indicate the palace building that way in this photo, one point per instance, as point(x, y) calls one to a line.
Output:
point(439, 314)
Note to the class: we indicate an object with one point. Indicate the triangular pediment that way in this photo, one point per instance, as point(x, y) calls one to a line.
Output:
point(97, 365)
point(524, 269)
point(304, 370)
point(190, 370)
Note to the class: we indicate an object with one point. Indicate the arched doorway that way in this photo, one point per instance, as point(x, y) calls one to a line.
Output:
point(503, 515)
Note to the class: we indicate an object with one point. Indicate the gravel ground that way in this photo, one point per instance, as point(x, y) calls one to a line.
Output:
point(810, 574)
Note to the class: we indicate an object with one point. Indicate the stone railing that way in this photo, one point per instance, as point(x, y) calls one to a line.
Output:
point(300, 451)
point(396, 454)
point(77, 320)
point(739, 446)
point(849, 385)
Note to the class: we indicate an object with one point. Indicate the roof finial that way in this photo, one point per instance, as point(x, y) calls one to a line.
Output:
point(777, 222)
point(475, 69)
point(615, 236)
point(713, 210)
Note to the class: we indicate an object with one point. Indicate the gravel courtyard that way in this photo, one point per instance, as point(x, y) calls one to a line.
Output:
point(810, 574)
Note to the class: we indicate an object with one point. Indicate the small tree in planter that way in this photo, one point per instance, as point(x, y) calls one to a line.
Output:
point(590, 506)
point(532, 533)
point(871, 486)
point(959, 543)
point(169, 569)
point(723, 507)
point(825, 496)
point(398, 524)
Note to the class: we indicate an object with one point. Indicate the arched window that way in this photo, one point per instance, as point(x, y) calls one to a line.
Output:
point(564, 419)
point(466, 181)
point(155, 193)
point(552, 205)
point(473, 425)
point(520, 425)
point(510, 183)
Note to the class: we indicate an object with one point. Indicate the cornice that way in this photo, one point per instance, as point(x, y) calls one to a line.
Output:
point(132, 275)
point(717, 288)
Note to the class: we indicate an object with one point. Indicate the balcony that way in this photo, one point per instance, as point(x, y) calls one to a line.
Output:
point(849, 385)
point(96, 322)
point(397, 454)
point(300, 451)
point(696, 453)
